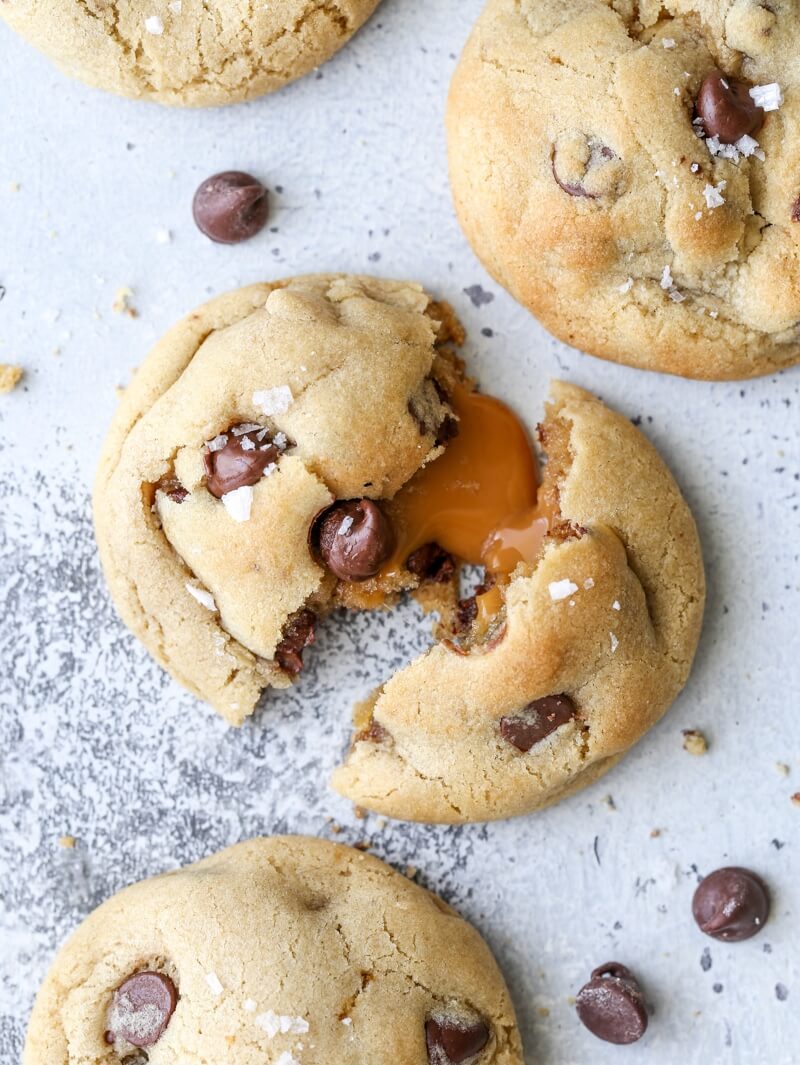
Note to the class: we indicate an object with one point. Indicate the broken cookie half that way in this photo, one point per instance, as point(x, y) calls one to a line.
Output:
point(297, 447)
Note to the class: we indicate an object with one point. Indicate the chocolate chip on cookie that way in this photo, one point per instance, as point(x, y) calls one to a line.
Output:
point(731, 904)
point(727, 109)
point(611, 1005)
point(584, 166)
point(230, 207)
point(141, 1009)
point(238, 458)
point(354, 538)
point(431, 563)
point(298, 633)
point(173, 488)
point(796, 210)
point(537, 721)
point(452, 1040)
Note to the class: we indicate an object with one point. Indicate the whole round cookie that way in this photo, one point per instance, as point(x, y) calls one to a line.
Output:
point(289, 950)
point(630, 172)
point(296, 447)
point(183, 52)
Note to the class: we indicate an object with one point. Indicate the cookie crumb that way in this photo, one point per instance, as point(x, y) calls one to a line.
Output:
point(782, 768)
point(67, 842)
point(411, 871)
point(609, 802)
point(796, 798)
point(655, 833)
point(694, 742)
point(122, 302)
point(10, 377)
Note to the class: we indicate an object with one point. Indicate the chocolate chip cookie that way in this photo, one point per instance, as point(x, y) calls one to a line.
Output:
point(630, 172)
point(287, 950)
point(185, 52)
point(300, 446)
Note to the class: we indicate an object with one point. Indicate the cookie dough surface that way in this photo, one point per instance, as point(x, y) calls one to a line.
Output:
point(581, 181)
point(187, 53)
point(608, 620)
point(284, 950)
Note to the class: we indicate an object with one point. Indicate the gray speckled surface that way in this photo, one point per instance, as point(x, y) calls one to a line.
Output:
point(96, 742)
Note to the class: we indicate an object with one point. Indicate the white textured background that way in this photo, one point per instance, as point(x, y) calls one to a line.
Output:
point(96, 742)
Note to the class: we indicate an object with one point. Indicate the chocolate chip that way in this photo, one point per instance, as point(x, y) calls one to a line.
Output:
point(240, 461)
point(141, 1009)
point(431, 563)
point(354, 538)
point(298, 633)
point(230, 207)
point(612, 1006)
point(373, 733)
point(796, 210)
point(173, 488)
point(584, 166)
point(466, 612)
point(451, 1041)
point(537, 721)
point(731, 904)
point(727, 109)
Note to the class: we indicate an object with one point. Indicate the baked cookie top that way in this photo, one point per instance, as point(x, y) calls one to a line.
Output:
point(631, 173)
point(290, 951)
point(182, 52)
point(295, 447)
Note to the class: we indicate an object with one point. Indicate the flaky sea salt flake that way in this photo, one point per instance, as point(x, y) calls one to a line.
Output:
point(614, 642)
point(239, 502)
point(769, 97)
point(249, 1005)
point(713, 195)
point(214, 983)
point(203, 597)
point(153, 24)
point(666, 278)
point(218, 443)
point(274, 400)
point(668, 42)
point(561, 589)
point(626, 286)
point(347, 524)
point(747, 145)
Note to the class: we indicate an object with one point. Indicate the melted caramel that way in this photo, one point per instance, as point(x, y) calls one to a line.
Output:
point(478, 499)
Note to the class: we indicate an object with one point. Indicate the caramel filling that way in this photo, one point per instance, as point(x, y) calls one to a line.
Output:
point(478, 499)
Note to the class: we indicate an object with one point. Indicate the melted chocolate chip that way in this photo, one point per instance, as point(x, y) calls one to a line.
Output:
point(796, 210)
point(466, 612)
point(731, 904)
point(240, 461)
point(581, 166)
point(537, 721)
point(298, 633)
point(612, 1006)
point(727, 109)
point(141, 1009)
point(230, 207)
point(431, 563)
point(354, 538)
point(173, 488)
point(451, 1041)
point(373, 733)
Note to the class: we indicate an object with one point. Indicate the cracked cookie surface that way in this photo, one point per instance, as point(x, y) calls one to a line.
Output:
point(187, 53)
point(585, 184)
point(290, 951)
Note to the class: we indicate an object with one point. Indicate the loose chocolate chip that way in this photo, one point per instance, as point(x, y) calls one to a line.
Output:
point(431, 563)
point(612, 1006)
point(537, 721)
point(731, 904)
point(354, 538)
point(240, 461)
point(298, 633)
point(141, 1009)
point(450, 1042)
point(727, 109)
point(230, 207)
